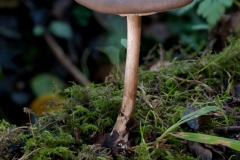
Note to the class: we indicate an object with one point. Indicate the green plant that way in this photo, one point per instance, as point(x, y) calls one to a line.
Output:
point(188, 117)
point(208, 139)
point(212, 10)
point(92, 109)
point(59, 28)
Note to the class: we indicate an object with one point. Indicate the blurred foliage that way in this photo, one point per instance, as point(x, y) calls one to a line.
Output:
point(124, 42)
point(1, 73)
point(38, 30)
point(112, 53)
point(212, 10)
point(195, 30)
point(58, 28)
point(38, 105)
point(91, 40)
point(61, 29)
point(9, 3)
point(82, 15)
point(45, 83)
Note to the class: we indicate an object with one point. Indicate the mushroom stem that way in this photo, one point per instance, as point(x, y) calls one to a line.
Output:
point(131, 76)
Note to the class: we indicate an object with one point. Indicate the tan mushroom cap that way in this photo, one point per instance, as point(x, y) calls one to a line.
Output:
point(140, 7)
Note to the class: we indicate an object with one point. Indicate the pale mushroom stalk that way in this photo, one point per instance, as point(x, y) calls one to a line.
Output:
point(133, 9)
point(131, 75)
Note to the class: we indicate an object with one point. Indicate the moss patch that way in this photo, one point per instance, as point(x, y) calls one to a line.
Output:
point(162, 97)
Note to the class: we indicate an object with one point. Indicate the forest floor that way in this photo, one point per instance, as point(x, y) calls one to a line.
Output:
point(185, 110)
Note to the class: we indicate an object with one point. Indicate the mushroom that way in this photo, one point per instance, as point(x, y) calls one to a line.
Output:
point(133, 10)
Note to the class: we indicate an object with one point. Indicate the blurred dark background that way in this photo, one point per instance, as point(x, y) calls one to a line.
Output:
point(37, 37)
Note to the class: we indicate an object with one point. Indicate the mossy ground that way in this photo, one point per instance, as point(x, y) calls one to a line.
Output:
point(162, 97)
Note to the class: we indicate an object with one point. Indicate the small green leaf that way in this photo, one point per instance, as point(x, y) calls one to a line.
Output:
point(82, 15)
point(203, 8)
point(124, 42)
point(38, 30)
point(227, 3)
point(189, 117)
point(220, 8)
point(112, 53)
point(200, 27)
point(44, 83)
point(4, 125)
point(212, 10)
point(61, 29)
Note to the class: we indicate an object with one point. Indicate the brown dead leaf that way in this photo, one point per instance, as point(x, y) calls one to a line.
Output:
point(235, 92)
point(198, 150)
point(206, 152)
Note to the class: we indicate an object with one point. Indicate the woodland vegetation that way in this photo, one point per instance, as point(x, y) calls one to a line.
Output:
point(188, 92)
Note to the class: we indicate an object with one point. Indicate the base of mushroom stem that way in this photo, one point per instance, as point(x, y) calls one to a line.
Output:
point(117, 140)
point(118, 147)
point(123, 142)
point(121, 127)
point(121, 130)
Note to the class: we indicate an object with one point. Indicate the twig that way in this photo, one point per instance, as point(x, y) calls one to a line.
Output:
point(65, 61)
point(161, 54)
point(28, 111)
point(24, 157)
point(144, 97)
point(195, 82)
point(21, 127)
point(149, 55)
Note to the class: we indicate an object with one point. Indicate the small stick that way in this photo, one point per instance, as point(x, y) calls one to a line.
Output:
point(195, 82)
point(226, 130)
point(65, 61)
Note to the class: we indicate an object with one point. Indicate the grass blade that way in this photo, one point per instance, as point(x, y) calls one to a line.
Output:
point(188, 117)
point(208, 139)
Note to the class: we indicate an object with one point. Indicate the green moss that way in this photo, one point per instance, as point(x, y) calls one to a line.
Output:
point(162, 97)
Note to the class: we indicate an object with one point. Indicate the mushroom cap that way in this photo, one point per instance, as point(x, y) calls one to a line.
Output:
point(137, 7)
